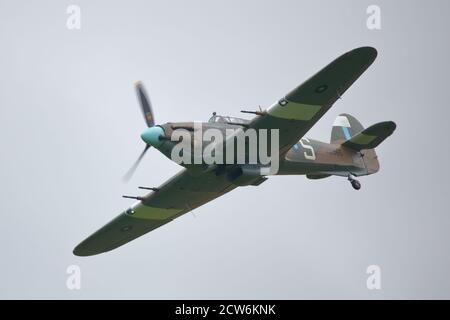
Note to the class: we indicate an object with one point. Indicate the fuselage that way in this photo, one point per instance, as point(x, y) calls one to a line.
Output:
point(307, 157)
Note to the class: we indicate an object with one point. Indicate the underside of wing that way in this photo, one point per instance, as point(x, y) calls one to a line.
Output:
point(301, 108)
point(179, 195)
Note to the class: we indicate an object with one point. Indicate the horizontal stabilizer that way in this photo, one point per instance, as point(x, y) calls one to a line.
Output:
point(371, 137)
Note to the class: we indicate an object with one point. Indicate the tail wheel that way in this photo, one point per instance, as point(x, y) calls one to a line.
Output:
point(356, 184)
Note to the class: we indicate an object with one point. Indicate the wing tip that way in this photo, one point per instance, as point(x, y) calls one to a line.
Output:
point(78, 252)
point(82, 251)
point(368, 52)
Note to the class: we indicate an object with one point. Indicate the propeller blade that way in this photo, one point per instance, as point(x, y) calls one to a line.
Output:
point(145, 104)
point(133, 168)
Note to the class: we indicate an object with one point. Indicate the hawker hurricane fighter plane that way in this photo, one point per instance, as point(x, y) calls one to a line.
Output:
point(350, 153)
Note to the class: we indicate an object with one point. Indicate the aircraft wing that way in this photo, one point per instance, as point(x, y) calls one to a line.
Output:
point(180, 194)
point(301, 108)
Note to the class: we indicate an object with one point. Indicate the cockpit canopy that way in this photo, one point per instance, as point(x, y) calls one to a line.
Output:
point(225, 119)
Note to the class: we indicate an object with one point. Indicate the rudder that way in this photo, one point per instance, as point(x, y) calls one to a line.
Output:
point(345, 126)
point(348, 132)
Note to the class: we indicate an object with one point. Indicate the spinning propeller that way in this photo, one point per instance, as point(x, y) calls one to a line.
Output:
point(153, 135)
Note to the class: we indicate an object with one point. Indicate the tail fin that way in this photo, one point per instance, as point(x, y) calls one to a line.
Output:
point(348, 132)
point(351, 134)
point(344, 127)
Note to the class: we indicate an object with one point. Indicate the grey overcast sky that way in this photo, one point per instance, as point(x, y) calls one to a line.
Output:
point(70, 126)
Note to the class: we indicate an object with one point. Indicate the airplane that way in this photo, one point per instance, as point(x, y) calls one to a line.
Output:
point(349, 154)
